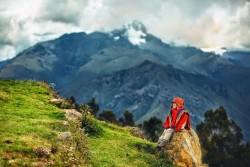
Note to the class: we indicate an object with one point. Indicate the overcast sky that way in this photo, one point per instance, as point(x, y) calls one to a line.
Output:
point(204, 24)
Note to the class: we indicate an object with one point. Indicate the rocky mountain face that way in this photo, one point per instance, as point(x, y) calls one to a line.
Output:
point(241, 58)
point(148, 88)
point(3, 63)
point(132, 69)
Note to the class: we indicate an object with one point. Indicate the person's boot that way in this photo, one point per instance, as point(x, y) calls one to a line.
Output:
point(161, 144)
point(158, 148)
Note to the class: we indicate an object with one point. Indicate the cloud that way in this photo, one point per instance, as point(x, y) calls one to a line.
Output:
point(214, 25)
point(63, 11)
point(242, 23)
point(4, 30)
point(210, 24)
point(7, 52)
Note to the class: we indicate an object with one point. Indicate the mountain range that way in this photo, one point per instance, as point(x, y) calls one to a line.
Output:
point(129, 68)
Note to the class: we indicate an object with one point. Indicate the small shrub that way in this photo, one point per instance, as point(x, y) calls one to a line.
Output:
point(108, 116)
point(66, 105)
point(90, 126)
point(153, 128)
point(127, 119)
point(94, 106)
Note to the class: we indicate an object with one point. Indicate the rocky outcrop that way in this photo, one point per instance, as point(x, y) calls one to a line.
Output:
point(184, 149)
point(137, 132)
point(42, 151)
point(61, 103)
point(65, 136)
point(57, 102)
point(72, 115)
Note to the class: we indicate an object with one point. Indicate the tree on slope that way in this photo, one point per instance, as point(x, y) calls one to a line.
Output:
point(153, 128)
point(221, 139)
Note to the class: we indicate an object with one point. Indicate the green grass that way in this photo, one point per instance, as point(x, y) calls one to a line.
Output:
point(25, 114)
point(28, 121)
point(115, 146)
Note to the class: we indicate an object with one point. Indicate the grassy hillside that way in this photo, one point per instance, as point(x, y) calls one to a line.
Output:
point(30, 124)
point(115, 146)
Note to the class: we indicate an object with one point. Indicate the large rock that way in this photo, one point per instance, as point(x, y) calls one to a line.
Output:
point(72, 115)
point(42, 151)
point(61, 103)
point(137, 132)
point(65, 136)
point(184, 149)
point(57, 102)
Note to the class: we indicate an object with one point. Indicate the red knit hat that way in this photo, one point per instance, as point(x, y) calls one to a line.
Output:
point(178, 101)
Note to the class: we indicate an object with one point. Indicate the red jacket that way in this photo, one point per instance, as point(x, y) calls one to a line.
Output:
point(177, 120)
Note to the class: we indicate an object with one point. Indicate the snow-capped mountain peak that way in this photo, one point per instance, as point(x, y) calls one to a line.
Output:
point(135, 32)
point(217, 50)
point(136, 37)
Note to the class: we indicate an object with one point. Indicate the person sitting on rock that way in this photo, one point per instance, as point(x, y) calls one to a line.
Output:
point(177, 120)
